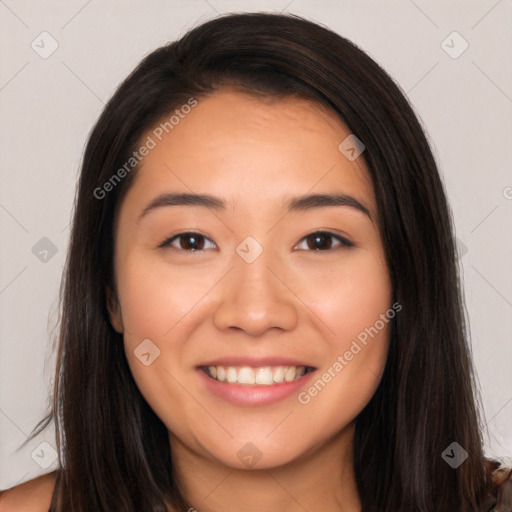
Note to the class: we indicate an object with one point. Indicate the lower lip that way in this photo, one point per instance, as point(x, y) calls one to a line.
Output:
point(249, 395)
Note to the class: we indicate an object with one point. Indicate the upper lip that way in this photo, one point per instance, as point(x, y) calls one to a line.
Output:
point(255, 362)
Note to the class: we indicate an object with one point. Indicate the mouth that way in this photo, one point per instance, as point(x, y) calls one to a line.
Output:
point(256, 376)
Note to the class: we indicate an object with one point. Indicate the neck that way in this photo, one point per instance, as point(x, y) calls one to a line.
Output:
point(323, 476)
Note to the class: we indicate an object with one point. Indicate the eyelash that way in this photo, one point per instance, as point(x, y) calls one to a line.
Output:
point(344, 242)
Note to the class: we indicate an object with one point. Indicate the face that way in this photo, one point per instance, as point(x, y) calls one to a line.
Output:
point(286, 299)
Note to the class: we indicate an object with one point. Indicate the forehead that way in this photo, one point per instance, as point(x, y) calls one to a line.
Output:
point(244, 147)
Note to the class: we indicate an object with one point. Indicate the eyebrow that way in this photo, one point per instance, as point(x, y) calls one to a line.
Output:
point(299, 203)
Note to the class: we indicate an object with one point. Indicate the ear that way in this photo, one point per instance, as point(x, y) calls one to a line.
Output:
point(114, 311)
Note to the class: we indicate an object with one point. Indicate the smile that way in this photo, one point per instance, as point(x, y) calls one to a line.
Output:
point(263, 375)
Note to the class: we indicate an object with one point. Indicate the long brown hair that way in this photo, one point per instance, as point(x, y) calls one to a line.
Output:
point(114, 451)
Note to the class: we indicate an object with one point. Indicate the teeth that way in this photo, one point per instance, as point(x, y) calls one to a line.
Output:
point(245, 375)
point(265, 375)
point(278, 375)
point(231, 375)
point(289, 374)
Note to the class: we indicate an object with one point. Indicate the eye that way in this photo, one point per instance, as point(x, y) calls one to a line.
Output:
point(317, 241)
point(190, 242)
point(322, 240)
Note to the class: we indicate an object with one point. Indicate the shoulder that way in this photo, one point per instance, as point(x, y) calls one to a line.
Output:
point(498, 471)
point(32, 496)
point(500, 476)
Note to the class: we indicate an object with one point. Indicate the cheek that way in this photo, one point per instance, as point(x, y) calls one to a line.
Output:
point(356, 311)
point(352, 299)
point(162, 305)
point(348, 378)
point(155, 298)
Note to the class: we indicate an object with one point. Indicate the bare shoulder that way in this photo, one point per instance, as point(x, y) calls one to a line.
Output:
point(32, 496)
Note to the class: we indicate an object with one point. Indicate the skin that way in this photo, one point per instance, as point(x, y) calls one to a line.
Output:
point(32, 496)
point(292, 300)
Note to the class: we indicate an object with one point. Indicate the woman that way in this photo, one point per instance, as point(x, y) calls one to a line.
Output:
point(261, 306)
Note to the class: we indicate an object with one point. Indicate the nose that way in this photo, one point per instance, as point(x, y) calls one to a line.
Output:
point(256, 297)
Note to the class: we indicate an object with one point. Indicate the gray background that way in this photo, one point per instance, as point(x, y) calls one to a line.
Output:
point(48, 105)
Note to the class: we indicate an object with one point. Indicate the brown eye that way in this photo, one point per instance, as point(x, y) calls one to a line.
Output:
point(189, 242)
point(322, 241)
